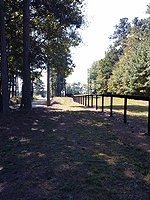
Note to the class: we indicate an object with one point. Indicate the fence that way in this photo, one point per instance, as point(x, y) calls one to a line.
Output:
point(87, 99)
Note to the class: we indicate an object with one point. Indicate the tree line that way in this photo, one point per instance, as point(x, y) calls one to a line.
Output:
point(36, 35)
point(76, 88)
point(125, 69)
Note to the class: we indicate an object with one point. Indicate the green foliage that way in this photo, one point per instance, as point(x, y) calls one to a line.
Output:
point(39, 88)
point(76, 88)
point(119, 80)
point(101, 70)
point(120, 34)
point(54, 28)
point(125, 68)
point(92, 76)
point(57, 83)
point(131, 74)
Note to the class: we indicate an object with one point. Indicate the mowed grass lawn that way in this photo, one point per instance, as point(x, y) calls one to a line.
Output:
point(134, 107)
point(137, 110)
point(67, 152)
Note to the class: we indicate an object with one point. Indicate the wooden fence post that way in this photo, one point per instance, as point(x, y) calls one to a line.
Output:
point(92, 101)
point(125, 110)
point(88, 100)
point(96, 102)
point(149, 118)
point(111, 105)
point(85, 100)
point(102, 103)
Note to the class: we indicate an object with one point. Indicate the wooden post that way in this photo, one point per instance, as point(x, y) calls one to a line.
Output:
point(111, 105)
point(149, 118)
point(48, 85)
point(125, 110)
point(102, 103)
point(92, 101)
point(85, 100)
point(88, 100)
point(96, 102)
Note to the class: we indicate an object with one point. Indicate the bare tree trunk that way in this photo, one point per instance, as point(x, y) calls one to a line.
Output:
point(48, 86)
point(26, 55)
point(17, 87)
point(4, 70)
point(58, 86)
point(13, 85)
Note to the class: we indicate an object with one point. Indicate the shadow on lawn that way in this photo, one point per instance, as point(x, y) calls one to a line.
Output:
point(69, 155)
point(55, 102)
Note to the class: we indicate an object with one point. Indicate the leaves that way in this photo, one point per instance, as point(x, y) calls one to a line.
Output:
point(125, 69)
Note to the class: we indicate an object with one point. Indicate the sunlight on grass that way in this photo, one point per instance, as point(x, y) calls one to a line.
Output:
point(134, 107)
point(66, 103)
point(1, 168)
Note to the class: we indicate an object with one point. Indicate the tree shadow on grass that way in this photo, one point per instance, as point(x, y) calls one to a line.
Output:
point(70, 155)
point(55, 102)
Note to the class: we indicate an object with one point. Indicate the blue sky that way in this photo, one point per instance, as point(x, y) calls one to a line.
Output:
point(102, 17)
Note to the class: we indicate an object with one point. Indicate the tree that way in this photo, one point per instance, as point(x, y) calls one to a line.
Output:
point(39, 87)
point(4, 70)
point(69, 88)
point(48, 85)
point(101, 70)
point(60, 56)
point(131, 74)
point(120, 34)
point(26, 56)
point(75, 88)
point(92, 76)
point(119, 81)
point(53, 30)
point(139, 79)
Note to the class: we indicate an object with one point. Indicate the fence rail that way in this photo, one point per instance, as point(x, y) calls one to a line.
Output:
point(85, 100)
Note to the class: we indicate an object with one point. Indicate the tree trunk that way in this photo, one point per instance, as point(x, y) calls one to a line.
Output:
point(13, 85)
point(17, 87)
point(48, 86)
point(26, 55)
point(4, 70)
point(58, 86)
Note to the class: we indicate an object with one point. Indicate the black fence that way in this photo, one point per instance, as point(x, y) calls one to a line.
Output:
point(87, 100)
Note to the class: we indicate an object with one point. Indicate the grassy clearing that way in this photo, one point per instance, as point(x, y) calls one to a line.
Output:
point(67, 152)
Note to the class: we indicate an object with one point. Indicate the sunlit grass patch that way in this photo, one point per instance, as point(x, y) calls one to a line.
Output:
point(134, 107)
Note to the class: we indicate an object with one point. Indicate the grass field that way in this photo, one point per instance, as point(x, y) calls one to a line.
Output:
point(135, 107)
point(67, 152)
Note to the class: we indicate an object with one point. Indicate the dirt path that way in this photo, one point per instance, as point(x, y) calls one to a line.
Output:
point(39, 103)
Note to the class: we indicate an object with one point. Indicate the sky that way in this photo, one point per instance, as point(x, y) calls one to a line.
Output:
point(102, 17)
